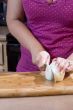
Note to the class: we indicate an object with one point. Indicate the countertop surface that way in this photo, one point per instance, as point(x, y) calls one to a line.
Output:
point(38, 103)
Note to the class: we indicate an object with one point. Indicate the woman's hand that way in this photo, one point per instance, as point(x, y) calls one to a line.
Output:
point(64, 64)
point(70, 60)
point(56, 70)
point(70, 66)
point(41, 59)
point(70, 57)
point(61, 64)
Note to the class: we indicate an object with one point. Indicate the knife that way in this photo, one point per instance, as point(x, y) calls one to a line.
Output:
point(48, 72)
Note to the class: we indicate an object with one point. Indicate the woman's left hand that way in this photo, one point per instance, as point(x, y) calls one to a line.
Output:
point(61, 64)
point(70, 57)
point(70, 61)
point(64, 64)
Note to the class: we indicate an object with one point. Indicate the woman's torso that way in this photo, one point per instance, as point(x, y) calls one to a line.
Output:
point(51, 24)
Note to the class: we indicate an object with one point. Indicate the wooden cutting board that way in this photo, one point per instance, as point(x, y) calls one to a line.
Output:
point(32, 84)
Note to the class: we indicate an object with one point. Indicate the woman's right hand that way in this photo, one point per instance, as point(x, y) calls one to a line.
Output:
point(42, 58)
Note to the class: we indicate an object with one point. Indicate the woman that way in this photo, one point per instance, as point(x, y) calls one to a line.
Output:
point(46, 34)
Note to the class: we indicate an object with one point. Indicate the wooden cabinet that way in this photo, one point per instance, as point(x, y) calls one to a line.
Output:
point(3, 56)
point(3, 52)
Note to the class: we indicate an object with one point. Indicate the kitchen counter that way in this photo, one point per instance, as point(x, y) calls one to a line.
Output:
point(38, 103)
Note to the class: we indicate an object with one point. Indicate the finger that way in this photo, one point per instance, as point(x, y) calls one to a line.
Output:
point(58, 65)
point(45, 58)
point(47, 61)
point(70, 68)
point(60, 68)
point(62, 63)
point(41, 62)
point(55, 59)
point(43, 68)
point(70, 65)
point(44, 61)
